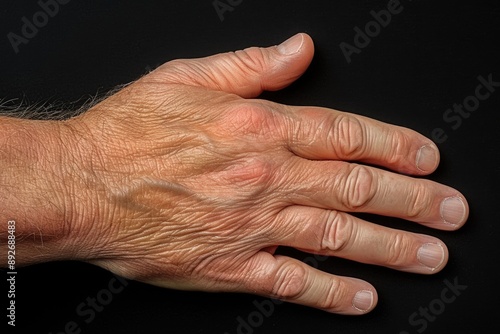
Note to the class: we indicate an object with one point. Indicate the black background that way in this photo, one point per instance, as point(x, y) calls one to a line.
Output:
point(428, 58)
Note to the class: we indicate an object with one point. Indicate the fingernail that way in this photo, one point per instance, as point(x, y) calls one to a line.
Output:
point(431, 255)
point(363, 300)
point(427, 158)
point(291, 45)
point(453, 210)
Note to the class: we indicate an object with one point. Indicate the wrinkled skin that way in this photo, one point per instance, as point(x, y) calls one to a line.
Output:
point(186, 181)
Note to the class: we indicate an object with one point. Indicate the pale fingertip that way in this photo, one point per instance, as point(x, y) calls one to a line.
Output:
point(427, 158)
point(363, 301)
point(432, 256)
point(292, 45)
point(453, 211)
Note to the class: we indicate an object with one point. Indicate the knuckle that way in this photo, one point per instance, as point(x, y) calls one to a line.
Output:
point(251, 118)
point(290, 281)
point(348, 136)
point(357, 187)
point(397, 251)
point(251, 61)
point(398, 147)
point(338, 230)
point(334, 297)
point(419, 202)
point(253, 172)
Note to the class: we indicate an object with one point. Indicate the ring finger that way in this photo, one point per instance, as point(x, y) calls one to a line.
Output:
point(340, 234)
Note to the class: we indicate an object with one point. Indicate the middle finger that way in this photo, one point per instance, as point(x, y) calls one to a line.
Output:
point(352, 187)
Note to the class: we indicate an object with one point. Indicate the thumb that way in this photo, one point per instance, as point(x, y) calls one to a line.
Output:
point(247, 72)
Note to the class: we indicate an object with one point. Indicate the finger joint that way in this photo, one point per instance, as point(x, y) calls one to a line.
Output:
point(348, 137)
point(337, 233)
point(358, 188)
point(290, 282)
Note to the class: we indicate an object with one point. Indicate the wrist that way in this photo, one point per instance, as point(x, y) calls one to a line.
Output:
point(39, 182)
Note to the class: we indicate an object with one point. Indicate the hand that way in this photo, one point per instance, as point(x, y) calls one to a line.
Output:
point(185, 181)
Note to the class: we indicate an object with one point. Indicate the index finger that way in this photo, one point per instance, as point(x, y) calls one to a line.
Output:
point(321, 133)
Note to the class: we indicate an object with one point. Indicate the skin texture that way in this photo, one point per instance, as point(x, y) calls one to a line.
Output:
point(183, 179)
